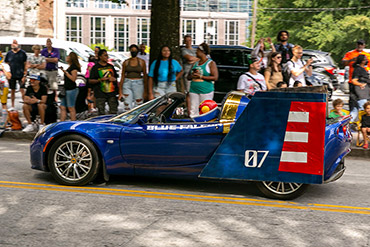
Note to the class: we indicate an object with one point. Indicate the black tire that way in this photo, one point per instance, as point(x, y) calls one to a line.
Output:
point(73, 160)
point(280, 190)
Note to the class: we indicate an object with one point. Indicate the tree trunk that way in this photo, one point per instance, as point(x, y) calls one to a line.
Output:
point(165, 27)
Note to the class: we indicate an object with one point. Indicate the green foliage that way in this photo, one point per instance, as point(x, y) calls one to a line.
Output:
point(102, 46)
point(334, 30)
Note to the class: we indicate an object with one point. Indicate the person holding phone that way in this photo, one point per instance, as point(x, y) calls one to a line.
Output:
point(70, 88)
point(103, 77)
point(204, 73)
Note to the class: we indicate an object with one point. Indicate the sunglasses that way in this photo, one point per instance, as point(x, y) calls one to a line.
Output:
point(278, 57)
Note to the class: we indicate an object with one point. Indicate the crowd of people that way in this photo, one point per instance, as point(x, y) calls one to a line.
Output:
point(139, 81)
point(359, 84)
point(282, 67)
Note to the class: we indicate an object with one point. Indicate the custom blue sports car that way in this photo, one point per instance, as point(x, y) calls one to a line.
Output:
point(281, 140)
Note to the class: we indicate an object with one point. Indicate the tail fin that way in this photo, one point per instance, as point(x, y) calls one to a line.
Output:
point(280, 136)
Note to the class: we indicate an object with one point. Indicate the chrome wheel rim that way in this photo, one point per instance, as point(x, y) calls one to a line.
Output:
point(282, 188)
point(73, 160)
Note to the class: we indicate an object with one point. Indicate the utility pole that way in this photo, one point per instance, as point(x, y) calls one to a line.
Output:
point(254, 23)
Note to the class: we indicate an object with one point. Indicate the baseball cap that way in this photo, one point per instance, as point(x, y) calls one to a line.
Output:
point(34, 77)
point(361, 42)
point(251, 59)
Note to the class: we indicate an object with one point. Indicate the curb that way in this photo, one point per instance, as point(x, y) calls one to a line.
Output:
point(18, 135)
point(357, 152)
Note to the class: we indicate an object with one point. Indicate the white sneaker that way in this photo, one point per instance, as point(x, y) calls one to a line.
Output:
point(41, 126)
point(29, 128)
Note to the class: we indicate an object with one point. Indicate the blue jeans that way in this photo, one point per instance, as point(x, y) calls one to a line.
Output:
point(163, 88)
point(132, 92)
point(355, 110)
point(70, 99)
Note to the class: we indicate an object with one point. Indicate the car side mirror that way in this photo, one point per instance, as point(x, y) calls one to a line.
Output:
point(143, 119)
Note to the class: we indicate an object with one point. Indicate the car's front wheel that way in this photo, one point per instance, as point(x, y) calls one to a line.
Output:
point(281, 190)
point(73, 160)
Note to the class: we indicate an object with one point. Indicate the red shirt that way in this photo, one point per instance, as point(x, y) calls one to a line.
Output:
point(353, 54)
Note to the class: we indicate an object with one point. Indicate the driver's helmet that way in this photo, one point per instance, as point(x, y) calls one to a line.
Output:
point(206, 106)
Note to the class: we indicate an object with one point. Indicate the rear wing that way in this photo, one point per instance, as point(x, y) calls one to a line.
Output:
point(280, 136)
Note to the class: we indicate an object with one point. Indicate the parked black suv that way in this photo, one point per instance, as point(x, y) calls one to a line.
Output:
point(232, 61)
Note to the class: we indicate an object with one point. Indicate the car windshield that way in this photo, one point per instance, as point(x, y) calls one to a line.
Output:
point(134, 113)
point(80, 55)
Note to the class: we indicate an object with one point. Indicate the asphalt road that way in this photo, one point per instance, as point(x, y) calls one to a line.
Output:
point(36, 211)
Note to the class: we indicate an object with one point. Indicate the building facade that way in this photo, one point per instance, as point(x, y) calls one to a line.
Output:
point(118, 26)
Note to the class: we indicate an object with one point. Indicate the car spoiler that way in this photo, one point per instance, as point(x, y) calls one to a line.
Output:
point(280, 136)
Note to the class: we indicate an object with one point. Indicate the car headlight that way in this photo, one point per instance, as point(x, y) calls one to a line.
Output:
point(44, 129)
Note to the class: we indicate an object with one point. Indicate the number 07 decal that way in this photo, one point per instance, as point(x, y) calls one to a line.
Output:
point(251, 158)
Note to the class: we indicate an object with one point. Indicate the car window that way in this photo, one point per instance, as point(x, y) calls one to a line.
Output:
point(229, 57)
point(132, 114)
point(331, 61)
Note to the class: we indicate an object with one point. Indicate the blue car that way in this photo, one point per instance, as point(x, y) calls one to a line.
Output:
point(281, 140)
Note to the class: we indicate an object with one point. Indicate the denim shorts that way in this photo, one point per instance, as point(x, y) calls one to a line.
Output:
point(70, 99)
point(163, 88)
point(134, 90)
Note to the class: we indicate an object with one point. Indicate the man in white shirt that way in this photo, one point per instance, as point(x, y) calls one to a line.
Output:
point(297, 67)
point(252, 81)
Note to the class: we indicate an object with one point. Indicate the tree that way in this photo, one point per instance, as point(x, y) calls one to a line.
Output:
point(165, 27)
point(327, 25)
point(101, 46)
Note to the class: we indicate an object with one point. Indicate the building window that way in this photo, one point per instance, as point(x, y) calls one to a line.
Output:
point(97, 30)
point(210, 32)
point(216, 5)
point(77, 3)
point(142, 4)
point(74, 28)
point(121, 34)
point(188, 27)
point(143, 31)
point(231, 32)
point(107, 4)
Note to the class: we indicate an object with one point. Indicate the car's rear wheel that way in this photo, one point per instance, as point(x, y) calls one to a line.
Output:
point(281, 190)
point(73, 160)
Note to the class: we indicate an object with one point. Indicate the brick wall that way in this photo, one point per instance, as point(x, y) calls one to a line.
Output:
point(27, 19)
point(45, 18)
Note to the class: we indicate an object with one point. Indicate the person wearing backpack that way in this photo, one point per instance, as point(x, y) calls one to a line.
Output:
point(297, 67)
point(283, 47)
point(252, 81)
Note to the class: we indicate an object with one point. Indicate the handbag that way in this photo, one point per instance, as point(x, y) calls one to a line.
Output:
point(362, 93)
point(62, 93)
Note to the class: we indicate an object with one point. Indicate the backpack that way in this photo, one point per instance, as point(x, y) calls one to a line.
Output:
point(13, 119)
point(284, 52)
point(286, 72)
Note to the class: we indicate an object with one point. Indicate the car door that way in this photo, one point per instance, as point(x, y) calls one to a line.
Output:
point(170, 148)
